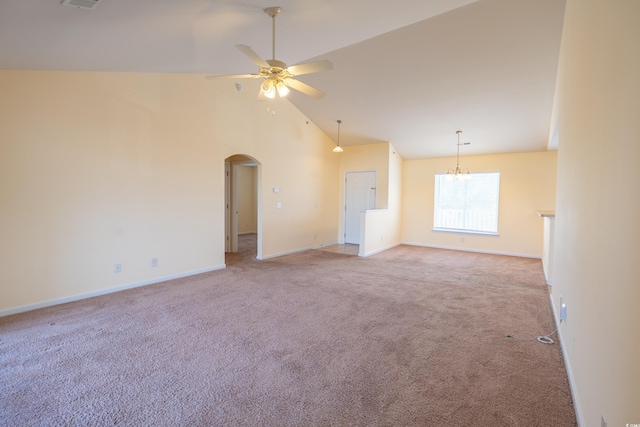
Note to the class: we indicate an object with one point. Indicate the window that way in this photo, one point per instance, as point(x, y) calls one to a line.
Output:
point(467, 205)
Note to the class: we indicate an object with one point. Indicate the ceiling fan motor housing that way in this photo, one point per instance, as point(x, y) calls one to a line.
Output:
point(275, 64)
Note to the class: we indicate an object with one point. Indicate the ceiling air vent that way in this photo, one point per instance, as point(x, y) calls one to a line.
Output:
point(82, 4)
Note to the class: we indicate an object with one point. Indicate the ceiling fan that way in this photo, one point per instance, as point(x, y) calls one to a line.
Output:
point(278, 76)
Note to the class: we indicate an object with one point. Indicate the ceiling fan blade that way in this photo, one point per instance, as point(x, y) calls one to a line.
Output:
point(254, 57)
point(304, 88)
point(233, 76)
point(310, 67)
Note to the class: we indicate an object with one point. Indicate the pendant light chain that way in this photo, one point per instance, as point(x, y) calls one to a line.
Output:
point(338, 149)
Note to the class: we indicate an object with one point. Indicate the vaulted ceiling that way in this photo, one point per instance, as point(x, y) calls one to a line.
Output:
point(410, 72)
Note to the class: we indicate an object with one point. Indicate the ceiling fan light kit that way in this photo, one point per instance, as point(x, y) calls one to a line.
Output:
point(278, 76)
point(459, 173)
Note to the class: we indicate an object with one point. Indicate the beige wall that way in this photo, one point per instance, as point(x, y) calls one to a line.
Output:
point(380, 229)
point(246, 191)
point(105, 168)
point(527, 184)
point(597, 252)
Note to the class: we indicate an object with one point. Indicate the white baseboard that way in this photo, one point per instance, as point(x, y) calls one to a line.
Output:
point(454, 248)
point(291, 252)
point(295, 251)
point(572, 383)
point(376, 251)
point(335, 242)
point(77, 297)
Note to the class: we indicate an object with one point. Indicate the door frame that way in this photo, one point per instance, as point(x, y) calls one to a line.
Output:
point(231, 202)
point(227, 206)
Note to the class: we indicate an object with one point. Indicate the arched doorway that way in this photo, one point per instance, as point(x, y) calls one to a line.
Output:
point(242, 205)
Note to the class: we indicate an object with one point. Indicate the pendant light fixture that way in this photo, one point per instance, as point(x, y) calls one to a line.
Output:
point(338, 149)
point(459, 173)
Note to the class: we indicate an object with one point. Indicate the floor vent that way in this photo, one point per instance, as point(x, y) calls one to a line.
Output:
point(82, 4)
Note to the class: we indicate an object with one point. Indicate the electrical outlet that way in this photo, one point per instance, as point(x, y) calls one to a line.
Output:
point(154, 262)
point(117, 268)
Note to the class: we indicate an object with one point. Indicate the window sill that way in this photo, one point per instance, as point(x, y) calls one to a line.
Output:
point(456, 231)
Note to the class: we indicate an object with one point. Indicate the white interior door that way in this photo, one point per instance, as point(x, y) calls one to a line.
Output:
point(233, 214)
point(359, 196)
point(227, 207)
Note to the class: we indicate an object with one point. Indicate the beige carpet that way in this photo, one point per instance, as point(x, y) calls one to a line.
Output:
point(408, 337)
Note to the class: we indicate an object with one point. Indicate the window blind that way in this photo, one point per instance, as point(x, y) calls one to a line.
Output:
point(467, 205)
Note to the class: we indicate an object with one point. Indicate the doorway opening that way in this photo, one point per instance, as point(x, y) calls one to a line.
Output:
point(243, 225)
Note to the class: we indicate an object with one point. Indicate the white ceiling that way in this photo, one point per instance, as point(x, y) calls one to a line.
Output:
point(410, 72)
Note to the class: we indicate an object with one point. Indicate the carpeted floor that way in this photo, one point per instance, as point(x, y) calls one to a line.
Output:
point(408, 337)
